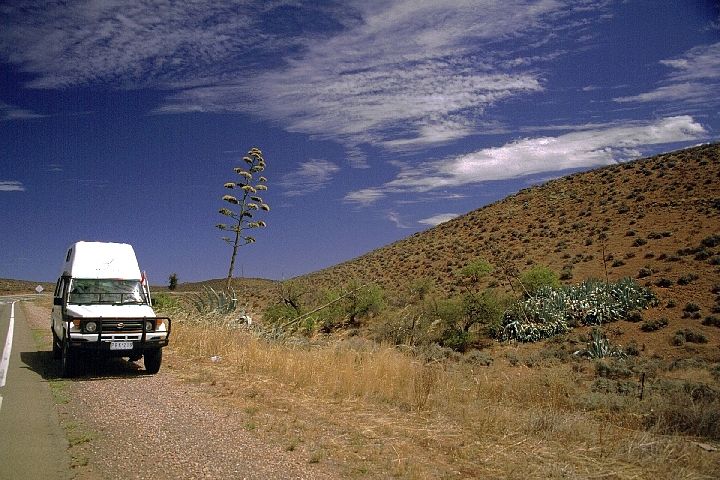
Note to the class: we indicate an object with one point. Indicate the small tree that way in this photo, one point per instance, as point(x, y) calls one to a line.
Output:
point(538, 277)
point(476, 271)
point(242, 209)
point(173, 281)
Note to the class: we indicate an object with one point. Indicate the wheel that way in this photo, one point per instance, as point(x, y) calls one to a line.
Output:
point(57, 350)
point(153, 359)
point(67, 362)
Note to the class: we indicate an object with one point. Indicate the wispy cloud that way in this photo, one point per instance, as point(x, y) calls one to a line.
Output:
point(11, 112)
point(309, 177)
point(11, 186)
point(438, 219)
point(395, 218)
point(695, 78)
point(580, 149)
point(121, 43)
point(400, 75)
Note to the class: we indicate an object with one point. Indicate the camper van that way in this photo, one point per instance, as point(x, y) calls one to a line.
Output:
point(102, 307)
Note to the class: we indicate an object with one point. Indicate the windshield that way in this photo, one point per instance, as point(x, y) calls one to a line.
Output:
point(93, 291)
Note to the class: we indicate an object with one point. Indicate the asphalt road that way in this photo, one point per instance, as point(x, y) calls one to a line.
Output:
point(32, 443)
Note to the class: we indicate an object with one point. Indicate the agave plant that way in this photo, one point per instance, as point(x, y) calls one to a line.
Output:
point(244, 206)
point(212, 301)
point(551, 311)
point(599, 347)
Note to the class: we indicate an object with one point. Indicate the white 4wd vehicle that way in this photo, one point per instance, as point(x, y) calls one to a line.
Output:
point(102, 306)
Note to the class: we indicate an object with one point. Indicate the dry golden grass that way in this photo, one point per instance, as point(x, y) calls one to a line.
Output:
point(376, 411)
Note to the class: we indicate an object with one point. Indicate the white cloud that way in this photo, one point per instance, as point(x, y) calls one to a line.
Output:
point(11, 186)
point(579, 149)
point(438, 219)
point(366, 196)
point(309, 177)
point(689, 92)
point(401, 75)
point(694, 79)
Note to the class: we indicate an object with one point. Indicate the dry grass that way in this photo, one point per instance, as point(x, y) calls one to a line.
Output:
point(377, 411)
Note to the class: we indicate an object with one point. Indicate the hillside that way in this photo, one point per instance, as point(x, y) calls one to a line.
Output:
point(646, 214)
point(656, 220)
point(14, 287)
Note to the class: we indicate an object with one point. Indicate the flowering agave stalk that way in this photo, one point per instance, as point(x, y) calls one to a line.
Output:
point(245, 205)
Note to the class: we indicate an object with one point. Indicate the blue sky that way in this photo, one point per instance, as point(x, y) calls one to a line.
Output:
point(122, 120)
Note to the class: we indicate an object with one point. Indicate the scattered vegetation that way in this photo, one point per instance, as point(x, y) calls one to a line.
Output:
point(423, 338)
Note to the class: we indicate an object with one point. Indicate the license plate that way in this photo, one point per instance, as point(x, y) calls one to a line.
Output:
point(121, 345)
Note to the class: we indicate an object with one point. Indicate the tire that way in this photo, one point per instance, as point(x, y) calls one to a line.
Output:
point(153, 359)
point(56, 349)
point(67, 362)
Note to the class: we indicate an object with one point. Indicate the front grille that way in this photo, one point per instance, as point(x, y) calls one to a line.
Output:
point(122, 326)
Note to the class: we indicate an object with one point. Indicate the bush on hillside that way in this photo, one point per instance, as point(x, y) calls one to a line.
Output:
point(538, 278)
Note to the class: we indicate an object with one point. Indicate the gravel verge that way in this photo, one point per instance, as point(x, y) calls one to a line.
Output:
point(124, 424)
point(137, 426)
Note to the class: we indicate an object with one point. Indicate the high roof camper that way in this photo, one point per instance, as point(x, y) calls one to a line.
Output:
point(102, 306)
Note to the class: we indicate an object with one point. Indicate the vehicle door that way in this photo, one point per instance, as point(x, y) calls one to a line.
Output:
point(59, 297)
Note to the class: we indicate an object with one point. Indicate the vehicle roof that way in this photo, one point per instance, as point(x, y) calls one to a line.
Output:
point(101, 260)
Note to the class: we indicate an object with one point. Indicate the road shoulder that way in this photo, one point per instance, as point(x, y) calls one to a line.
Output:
point(32, 442)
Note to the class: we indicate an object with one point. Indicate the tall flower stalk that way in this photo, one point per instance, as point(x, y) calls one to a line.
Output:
point(245, 205)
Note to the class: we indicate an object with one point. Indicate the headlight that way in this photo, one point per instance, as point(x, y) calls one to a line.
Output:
point(149, 326)
point(91, 327)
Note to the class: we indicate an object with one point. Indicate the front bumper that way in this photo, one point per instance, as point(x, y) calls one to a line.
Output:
point(112, 332)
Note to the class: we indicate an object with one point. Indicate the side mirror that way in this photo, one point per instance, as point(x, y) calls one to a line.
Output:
point(57, 301)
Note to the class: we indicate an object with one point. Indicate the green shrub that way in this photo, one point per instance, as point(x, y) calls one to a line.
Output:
point(279, 313)
point(688, 335)
point(687, 279)
point(711, 241)
point(165, 302)
point(691, 308)
point(485, 309)
point(476, 271)
point(613, 370)
point(539, 277)
point(653, 325)
point(632, 349)
point(644, 272)
point(711, 321)
point(459, 322)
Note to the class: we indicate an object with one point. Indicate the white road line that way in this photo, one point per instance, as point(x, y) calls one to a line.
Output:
point(5, 360)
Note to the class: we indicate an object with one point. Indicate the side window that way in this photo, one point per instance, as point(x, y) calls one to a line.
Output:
point(61, 286)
